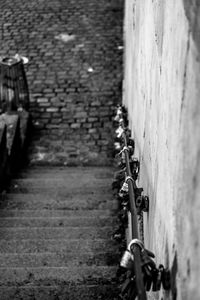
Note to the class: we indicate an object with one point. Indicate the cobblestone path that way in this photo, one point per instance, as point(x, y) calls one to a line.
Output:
point(74, 72)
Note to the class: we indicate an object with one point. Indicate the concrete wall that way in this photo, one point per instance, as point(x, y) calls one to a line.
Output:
point(74, 73)
point(162, 92)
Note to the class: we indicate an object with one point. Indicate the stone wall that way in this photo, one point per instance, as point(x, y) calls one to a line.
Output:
point(74, 73)
point(162, 91)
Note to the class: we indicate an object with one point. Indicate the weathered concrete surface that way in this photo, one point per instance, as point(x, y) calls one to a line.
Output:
point(57, 240)
point(60, 259)
point(73, 246)
point(52, 275)
point(162, 91)
point(58, 202)
point(64, 292)
point(54, 221)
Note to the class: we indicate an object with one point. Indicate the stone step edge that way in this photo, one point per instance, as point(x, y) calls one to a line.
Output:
point(7, 246)
point(54, 227)
point(36, 275)
point(97, 218)
point(54, 286)
point(57, 240)
point(38, 194)
point(56, 253)
point(43, 211)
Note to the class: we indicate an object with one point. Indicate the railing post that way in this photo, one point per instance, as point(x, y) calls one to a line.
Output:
point(14, 92)
point(3, 155)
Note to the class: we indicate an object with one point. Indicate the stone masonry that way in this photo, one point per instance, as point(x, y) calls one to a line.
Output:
point(74, 73)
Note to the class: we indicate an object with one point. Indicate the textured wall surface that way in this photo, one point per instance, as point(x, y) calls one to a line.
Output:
point(74, 72)
point(162, 92)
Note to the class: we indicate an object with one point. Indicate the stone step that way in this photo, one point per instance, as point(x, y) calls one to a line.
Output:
point(9, 233)
point(59, 259)
point(56, 226)
point(58, 201)
point(61, 292)
point(58, 275)
point(50, 213)
point(59, 177)
point(56, 186)
point(56, 221)
point(67, 173)
point(57, 245)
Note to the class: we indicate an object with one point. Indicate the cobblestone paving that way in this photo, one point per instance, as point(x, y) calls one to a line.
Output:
point(74, 71)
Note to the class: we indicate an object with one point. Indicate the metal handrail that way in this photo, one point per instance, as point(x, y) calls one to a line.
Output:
point(134, 224)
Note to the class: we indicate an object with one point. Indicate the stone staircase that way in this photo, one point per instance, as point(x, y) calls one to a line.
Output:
point(55, 235)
